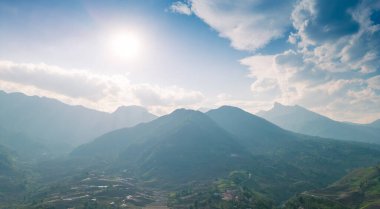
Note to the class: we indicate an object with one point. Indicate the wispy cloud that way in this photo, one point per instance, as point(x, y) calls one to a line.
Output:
point(249, 24)
point(97, 91)
point(181, 8)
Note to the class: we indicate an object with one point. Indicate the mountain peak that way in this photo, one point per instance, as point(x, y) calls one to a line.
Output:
point(375, 123)
point(123, 109)
point(230, 115)
point(227, 108)
point(278, 105)
point(186, 113)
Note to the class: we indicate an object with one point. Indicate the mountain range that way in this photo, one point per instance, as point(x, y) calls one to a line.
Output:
point(300, 120)
point(60, 126)
point(225, 147)
point(189, 145)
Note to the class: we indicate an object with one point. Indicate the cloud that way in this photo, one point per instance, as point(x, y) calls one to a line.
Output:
point(324, 20)
point(249, 24)
point(150, 95)
point(333, 64)
point(80, 87)
point(71, 83)
point(289, 81)
point(180, 8)
point(374, 82)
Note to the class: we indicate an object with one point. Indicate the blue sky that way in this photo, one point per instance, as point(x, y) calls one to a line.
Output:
point(320, 54)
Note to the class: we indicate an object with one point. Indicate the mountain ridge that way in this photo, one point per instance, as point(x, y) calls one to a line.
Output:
point(52, 121)
point(184, 140)
point(301, 120)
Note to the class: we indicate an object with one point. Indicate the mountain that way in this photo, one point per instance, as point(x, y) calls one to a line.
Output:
point(290, 161)
point(59, 125)
point(187, 146)
point(300, 120)
point(253, 132)
point(5, 161)
point(358, 189)
point(182, 146)
point(25, 148)
point(12, 182)
point(375, 123)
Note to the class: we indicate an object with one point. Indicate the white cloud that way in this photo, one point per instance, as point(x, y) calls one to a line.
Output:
point(150, 95)
point(74, 84)
point(261, 66)
point(80, 87)
point(334, 69)
point(290, 79)
point(374, 82)
point(334, 64)
point(181, 8)
point(249, 24)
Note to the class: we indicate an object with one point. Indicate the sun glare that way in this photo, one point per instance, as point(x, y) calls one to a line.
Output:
point(125, 45)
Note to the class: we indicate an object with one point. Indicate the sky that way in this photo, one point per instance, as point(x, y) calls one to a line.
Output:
point(163, 54)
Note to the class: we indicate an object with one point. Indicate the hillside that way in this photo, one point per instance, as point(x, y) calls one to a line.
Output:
point(59, 125)
point(12, 183)
point(253, 132)
point(358, 189)
point(182, 146)
point(24, 148)
point(301, 120)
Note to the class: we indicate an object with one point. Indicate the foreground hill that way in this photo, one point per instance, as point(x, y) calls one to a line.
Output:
point(192, 146)
point(11, 181)
point(182, 146)
point(59, 125)
point(358, 189)
point(301, 120)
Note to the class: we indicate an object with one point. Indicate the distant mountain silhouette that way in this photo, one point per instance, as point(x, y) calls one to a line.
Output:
point(298, 119)
point(59, 125)
point(375, 123)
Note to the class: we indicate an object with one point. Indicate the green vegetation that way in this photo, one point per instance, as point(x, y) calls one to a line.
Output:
point(223, 193)
point(12, 182)
point(310, 202)
point(358, 189)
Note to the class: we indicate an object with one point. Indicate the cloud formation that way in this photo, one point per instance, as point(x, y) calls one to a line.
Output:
point(92, 90)
point(181, 8)
point(249, 24)
point(334, 64)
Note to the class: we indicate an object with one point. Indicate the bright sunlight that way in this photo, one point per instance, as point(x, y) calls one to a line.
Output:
point(125, 45)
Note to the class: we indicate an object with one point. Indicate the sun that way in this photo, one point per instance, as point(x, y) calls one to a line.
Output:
point(125, 45)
